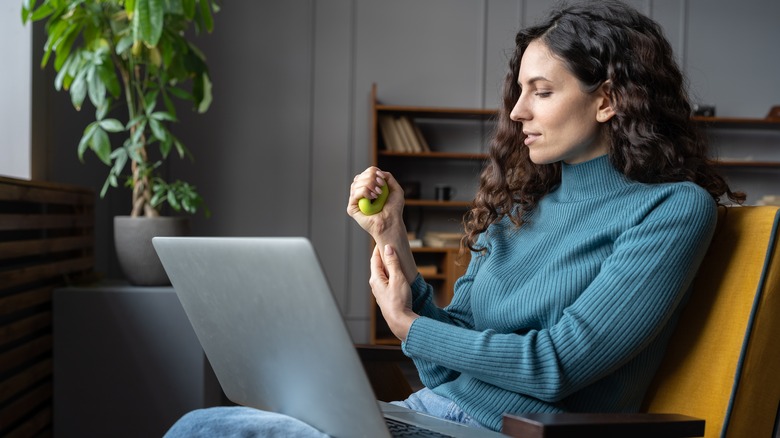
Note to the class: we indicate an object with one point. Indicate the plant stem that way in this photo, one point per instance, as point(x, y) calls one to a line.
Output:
point(142, 187)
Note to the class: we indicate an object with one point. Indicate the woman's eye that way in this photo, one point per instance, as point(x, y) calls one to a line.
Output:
point(543, 93)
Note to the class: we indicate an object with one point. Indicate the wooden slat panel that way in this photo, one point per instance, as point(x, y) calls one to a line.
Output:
point(26, 379)
point(25, 300)
point(44, 192)
point(17, 222)
point(25, 404)
point(18, 356)
point(23, 248)
point(31, 274)
point(46, 239)
point(44, 196)
point(21, 328)
point(34, 426)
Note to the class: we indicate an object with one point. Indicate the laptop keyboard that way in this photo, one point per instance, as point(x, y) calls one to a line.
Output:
point(399, 429)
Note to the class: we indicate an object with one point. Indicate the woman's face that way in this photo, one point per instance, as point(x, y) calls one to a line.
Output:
point(561, 122)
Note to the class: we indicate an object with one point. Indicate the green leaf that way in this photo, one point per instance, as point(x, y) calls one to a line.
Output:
point(169, 106)
point(163, 116)
point(150, 100)
point(124, 44)
point(205, 15)
point(174, 7)
point(42, 12)
point(108, 77)
point(106, 184)
point(59, 80)
point(156, 200)
point(180, 148)
point(89, 131)
point(102, 110)
point(130, 8)
point(180, 93)
point(135, 121)
point(165, 146)
point(78, 90)
point(26, 10)
point(112, 125)
point(157, 129)
point(189, 8)
point(119, 156)
point(64, 46)
point(55, 31)
point(205, 102)
point(148, 20)
point(132, 151)
point(101, 145)
point(173, 201)
point(95, 87)
point(139, 131)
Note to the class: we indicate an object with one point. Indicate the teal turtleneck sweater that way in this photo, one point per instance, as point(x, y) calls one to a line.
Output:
point(573, 310)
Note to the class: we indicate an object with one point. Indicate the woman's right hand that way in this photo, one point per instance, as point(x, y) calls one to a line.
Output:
point(369, 184)
point(387, 226)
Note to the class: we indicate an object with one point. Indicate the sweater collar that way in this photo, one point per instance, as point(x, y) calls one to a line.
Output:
point(596, 177)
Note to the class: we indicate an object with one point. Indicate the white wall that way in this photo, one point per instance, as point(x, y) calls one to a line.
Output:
point(15, 92)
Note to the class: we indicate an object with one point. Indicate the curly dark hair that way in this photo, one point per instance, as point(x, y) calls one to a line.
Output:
point(652, 137)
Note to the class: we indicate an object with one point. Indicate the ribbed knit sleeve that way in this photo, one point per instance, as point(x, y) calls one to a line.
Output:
point(457, 313)
point(534, 329)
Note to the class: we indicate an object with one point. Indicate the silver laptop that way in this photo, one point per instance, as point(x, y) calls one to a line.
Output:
point(270, 327)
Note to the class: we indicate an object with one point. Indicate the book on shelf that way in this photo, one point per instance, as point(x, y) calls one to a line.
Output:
point(427, 270)
point(414, 242)
point(401, 134)
point(390, 134)
point(404, 126)
point(423, 145)
point(435, 239)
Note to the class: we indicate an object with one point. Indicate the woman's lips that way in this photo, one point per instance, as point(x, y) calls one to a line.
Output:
point(530, 137)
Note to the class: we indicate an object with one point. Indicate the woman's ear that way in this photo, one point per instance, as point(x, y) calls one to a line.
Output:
point(605, 110)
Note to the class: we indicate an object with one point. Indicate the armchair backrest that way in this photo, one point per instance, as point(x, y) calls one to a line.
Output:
point(723, 362)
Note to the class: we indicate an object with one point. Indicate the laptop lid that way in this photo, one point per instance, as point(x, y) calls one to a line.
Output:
point(271, 329)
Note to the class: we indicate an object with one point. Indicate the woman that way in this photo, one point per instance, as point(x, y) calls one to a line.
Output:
point(592, 216)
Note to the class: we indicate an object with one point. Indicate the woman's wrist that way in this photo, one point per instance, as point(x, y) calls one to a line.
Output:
point(402, 324)
point(395, 235)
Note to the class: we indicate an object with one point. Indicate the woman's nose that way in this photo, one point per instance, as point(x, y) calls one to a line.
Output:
point(520, 111)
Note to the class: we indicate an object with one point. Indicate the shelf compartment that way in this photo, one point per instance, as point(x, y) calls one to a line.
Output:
point(476, 156)
point(439, 112)
point(437, 204)
point(746, 163)
point(738, 122)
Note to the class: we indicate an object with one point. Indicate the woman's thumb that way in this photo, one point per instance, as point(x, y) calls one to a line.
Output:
point(390, 258)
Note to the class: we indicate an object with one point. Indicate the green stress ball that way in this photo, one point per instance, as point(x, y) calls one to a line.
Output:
point(369, 207)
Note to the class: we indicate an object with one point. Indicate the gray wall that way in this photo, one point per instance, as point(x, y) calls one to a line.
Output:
point(289, 125)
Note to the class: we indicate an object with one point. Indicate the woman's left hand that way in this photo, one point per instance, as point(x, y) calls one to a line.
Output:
point(391, 291)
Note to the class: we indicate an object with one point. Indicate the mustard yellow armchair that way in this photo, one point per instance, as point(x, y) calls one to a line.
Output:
point(721, 374)
point(723, 363)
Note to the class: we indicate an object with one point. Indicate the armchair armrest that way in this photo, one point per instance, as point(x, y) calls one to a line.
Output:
point(601, 425)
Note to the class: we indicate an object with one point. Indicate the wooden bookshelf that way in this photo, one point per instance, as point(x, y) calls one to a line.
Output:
point(450, 262)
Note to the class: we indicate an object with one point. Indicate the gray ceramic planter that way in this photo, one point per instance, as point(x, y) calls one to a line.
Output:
point(133, 242)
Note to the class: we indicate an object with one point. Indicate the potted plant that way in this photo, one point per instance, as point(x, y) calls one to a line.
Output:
point(132, 59)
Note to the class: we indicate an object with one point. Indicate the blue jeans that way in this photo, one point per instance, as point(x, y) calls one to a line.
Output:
point(240, 421)
point(428, 402)
point(244, 422)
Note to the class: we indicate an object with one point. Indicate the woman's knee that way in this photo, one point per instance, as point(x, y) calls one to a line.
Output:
point(239, 421)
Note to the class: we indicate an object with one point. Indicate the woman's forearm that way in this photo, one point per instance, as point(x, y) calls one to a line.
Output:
point(395, 235)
